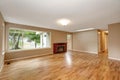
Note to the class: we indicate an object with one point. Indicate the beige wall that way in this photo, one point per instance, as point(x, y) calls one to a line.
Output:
point(86, 41)
point(56, 36)
point(114, 41)
point(1, 41)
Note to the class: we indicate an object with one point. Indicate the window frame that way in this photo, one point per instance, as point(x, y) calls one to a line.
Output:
point(7, 41)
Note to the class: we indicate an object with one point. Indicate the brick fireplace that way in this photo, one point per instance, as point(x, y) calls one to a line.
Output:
point(59, 47)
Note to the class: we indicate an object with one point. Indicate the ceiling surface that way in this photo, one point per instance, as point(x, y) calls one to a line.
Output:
point(45, 13)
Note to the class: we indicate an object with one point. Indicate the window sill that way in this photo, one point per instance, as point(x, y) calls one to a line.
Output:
point(27, 49)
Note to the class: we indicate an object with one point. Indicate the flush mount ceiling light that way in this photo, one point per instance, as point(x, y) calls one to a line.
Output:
point(106, 31)
point(86, 29)
point(64, 22)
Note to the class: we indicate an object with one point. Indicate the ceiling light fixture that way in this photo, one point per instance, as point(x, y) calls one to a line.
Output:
point(64, 22)
point(86, 29)
point(106, 31)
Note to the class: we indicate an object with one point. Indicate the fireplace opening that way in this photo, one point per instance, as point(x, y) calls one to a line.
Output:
point(60, 47)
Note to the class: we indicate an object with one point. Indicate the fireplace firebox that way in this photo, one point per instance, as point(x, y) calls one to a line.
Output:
point(59, 47)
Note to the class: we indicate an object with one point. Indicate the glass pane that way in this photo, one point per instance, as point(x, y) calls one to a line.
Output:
point(15, 39)
point(27, 39)
point(46, 39)
point(31, 39)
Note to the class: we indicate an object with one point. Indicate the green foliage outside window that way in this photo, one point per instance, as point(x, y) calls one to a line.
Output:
point(26, 39)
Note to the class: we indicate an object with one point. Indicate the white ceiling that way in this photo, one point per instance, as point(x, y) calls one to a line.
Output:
point(45, 13)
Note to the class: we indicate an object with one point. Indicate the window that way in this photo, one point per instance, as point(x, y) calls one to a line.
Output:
point(27, 39)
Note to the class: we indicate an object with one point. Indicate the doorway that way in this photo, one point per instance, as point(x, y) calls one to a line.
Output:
point(69, 41)
point(102, 41)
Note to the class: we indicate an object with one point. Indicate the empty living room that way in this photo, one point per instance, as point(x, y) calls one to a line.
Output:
point(59, 39)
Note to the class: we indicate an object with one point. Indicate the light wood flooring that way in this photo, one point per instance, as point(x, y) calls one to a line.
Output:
point(68, 66)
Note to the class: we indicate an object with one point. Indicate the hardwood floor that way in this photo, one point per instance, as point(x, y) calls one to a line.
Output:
point(68, 66)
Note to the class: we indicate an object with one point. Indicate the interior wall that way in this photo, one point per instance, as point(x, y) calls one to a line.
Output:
point(86, 41)
point(1, 41)
point(114, 41)
point(56, 37)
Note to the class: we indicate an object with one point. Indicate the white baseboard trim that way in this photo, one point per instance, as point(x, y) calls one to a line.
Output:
point(114, 58)
point(1, 67)
point(84, 51)
point(69, 49)
point(22, 58)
